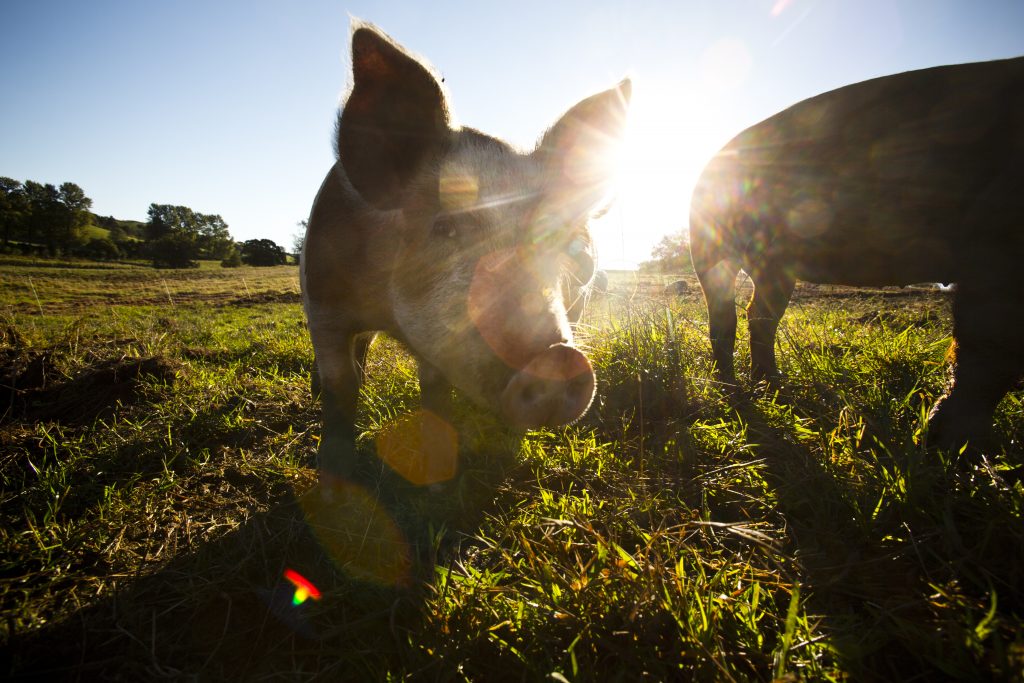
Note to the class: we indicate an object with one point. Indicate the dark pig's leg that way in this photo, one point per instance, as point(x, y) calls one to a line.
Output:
point(719, 285)
point(988, 361)
point(773, 287)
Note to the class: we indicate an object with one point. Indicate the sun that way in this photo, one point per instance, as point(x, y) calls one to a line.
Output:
point(665, 147)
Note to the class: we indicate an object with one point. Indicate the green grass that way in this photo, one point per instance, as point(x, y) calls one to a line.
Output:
point(70, 287)
point(157, 469)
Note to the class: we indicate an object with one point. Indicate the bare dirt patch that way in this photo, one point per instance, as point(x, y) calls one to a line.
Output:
point(32, 389)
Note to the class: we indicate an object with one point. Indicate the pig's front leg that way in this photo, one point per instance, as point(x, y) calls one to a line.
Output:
point(339, 369)
point(435, 391)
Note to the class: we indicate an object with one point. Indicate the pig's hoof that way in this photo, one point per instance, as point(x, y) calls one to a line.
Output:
point(953, 429)
point(332, 487)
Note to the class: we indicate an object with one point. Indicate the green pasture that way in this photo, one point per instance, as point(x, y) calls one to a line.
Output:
point(157, 479)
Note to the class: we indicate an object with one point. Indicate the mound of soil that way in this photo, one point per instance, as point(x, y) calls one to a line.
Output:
point(31, 389)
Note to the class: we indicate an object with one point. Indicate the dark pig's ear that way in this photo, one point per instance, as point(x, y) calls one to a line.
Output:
point(394, 120)
point(577, 150)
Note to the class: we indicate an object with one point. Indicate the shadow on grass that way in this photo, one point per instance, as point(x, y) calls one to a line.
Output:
point(207, 463)
point(918, 572)
point(223, 613)
point(227, 611)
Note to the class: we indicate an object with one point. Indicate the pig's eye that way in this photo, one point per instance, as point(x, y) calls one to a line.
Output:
point(445, 228)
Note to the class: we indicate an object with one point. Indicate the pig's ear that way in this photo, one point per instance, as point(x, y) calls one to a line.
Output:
point(395, 118)
point(577, 151)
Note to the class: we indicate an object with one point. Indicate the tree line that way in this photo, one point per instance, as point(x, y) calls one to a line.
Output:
point(44, 219)
point(50, 217)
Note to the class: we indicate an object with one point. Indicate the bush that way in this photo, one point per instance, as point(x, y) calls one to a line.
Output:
point(263, 252)
point(101, 249)
point(174, 250)
point(233, 260)
point(132, 248)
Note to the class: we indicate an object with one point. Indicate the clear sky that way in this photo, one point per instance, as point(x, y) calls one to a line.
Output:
point(228, 106)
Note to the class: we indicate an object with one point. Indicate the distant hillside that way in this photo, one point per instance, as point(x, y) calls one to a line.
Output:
point(131, 229)
point(93, 231)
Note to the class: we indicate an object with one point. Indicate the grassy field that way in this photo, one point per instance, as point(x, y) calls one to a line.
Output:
point(157, 448)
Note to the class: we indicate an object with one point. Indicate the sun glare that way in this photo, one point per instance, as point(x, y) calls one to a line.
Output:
point(667, 142)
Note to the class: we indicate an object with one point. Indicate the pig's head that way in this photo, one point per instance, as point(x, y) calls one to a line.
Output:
point(493, 245)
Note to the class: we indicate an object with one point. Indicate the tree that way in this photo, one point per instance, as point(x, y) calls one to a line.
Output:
point(671, 254)
point(174, 250)
point(299, 238)
point(74, 216)
point(170, 236)
point(54, 217)
point(185, 235)
point(165, 219)
point(45, 214)
point(214, 239)
point(233, 259)
point(108, 222)
point(13, 208)
point(263, 252)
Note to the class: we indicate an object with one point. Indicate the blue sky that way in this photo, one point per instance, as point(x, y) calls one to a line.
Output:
point(228, 106)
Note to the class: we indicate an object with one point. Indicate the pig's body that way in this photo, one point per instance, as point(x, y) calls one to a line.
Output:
point(917, 177)
point(463, 249)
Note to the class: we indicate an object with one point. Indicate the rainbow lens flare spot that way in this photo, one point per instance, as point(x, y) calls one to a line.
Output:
point(303, 588)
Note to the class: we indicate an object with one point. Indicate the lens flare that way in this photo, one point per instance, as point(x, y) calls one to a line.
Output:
point(496, 290)
point(422, 447)
point(491, 298)
point(458, 191)
point(358, 533)
point(304, 589)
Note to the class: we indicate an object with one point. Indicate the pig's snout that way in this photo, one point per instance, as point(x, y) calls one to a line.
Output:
point(553, 389)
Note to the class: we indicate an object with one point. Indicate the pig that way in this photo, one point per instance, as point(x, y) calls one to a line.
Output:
point(467, 251)
point(914, 177)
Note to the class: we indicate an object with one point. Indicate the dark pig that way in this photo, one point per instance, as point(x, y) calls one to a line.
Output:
point(915, 177)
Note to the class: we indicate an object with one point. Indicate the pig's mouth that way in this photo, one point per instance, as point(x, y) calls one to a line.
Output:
point(555, 388)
